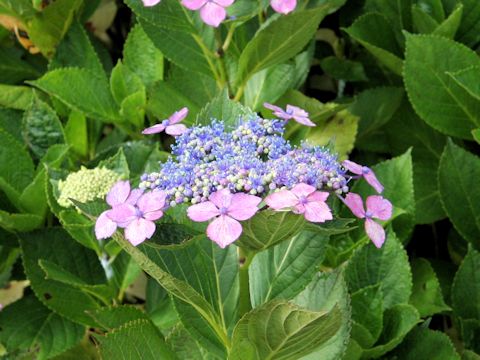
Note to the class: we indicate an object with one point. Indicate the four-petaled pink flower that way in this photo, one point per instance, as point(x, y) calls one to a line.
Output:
point(283, 6)
point(118, 195)
point(377, 208)
point(366, 172)
point(292, 112)
point(150, 2)
point(212, 12)
point(170, 125)
point(303, 199)
point(226, 208)
point(138, 220)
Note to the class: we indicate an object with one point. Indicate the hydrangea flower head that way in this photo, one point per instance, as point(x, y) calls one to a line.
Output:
point(303, 199)
point(86, 185)
point(377, 208)
point(212, 12)
point(227, 209)
point(366, 173)
point(170, 125)
point(291, 112)
point(283, 6)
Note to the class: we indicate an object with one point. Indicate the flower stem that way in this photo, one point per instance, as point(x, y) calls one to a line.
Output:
point(245, 258)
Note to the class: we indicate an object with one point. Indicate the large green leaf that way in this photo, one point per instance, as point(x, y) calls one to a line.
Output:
point(41, 127)
point(281, 330)
point(82, 90)
point(64, 299)
point(142, 57)
point(19, 222)
point(185, 346)
point(13, 69)
point(426, 292)
point(387, 266)
point(279, 41)
point(367, 315)
point(112, 317)
point(15, 97)
point(459, 190)
point(28, 325)
point(423, 343)
point(466, 287)
point(468, 79)
point(281, 272)
point(268, 228)
point(446, 106)
point(326, 291)
point(374, 32)
point(469, 31)
point(137, 339)
point(76, 50)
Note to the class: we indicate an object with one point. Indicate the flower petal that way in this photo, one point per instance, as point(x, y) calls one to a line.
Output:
point(178, 116)
point(155, 129)
point(281, 199)
point(150, 2)
point(304, 121)
point(299, 209)
point(124, 213)
point(176, 130)
point(224, 230)
point(283, 6)
point(224, 3)
point(299, 115)
point(152, 201)
point(134, 196)
point(104, 226)
point(139, 230)
point(318, 196)
point(221, 198)
point(373, 181)
point(375, 232)
point(212, 14)
point(153, 215)
point(243, 206)
point(355, 204)
point(203, 211)
point(317, 211)
point(272, 107)
point(379, 207)
point(118, 193)
point(193, 4)
point(353, 167)
point(303, 189)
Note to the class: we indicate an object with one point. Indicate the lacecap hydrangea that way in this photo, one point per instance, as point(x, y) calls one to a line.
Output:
point(225, 174)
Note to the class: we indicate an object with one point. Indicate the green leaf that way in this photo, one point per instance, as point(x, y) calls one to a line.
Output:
point(19, 222)
point(459, 192)
point(41, 127)
point(466, 287)
point(469, 31)
point(76, 133)
point(60, 249)
point(124, 82)
point(467, 80)
point(343, 69)
point(446, 100)
point(426, 292)
point(197, 87)
point(81, 90)
point(398, 321)
point(222, 108)
point(423, 21)
point(375, 33)
point(279, 330)
point(142, 57)
point(449, 27)
point(76, 50)
point(367, 315)
point(28, 325)
point(423, 343)
point(281, 272)
point(325, 292)
point(279, 41)
point(476, 135)
point(13, 69)
point(387, 266)
point(185, 346)
point(375, 107)
point(112, 317)
point(137, 339)
point(268, 228)
point(16, 166)
point(47, 28)
point(15, 97)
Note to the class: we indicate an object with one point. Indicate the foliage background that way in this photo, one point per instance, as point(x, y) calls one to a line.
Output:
point(394, 83)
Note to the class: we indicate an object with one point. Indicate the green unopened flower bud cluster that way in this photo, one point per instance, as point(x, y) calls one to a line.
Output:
point(86, 185)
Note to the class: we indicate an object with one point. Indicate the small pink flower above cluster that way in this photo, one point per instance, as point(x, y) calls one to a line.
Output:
point(291, 112)
point(171, 125)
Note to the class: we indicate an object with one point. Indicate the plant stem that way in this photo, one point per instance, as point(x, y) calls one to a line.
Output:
point(229, 37)
point(245, 258)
